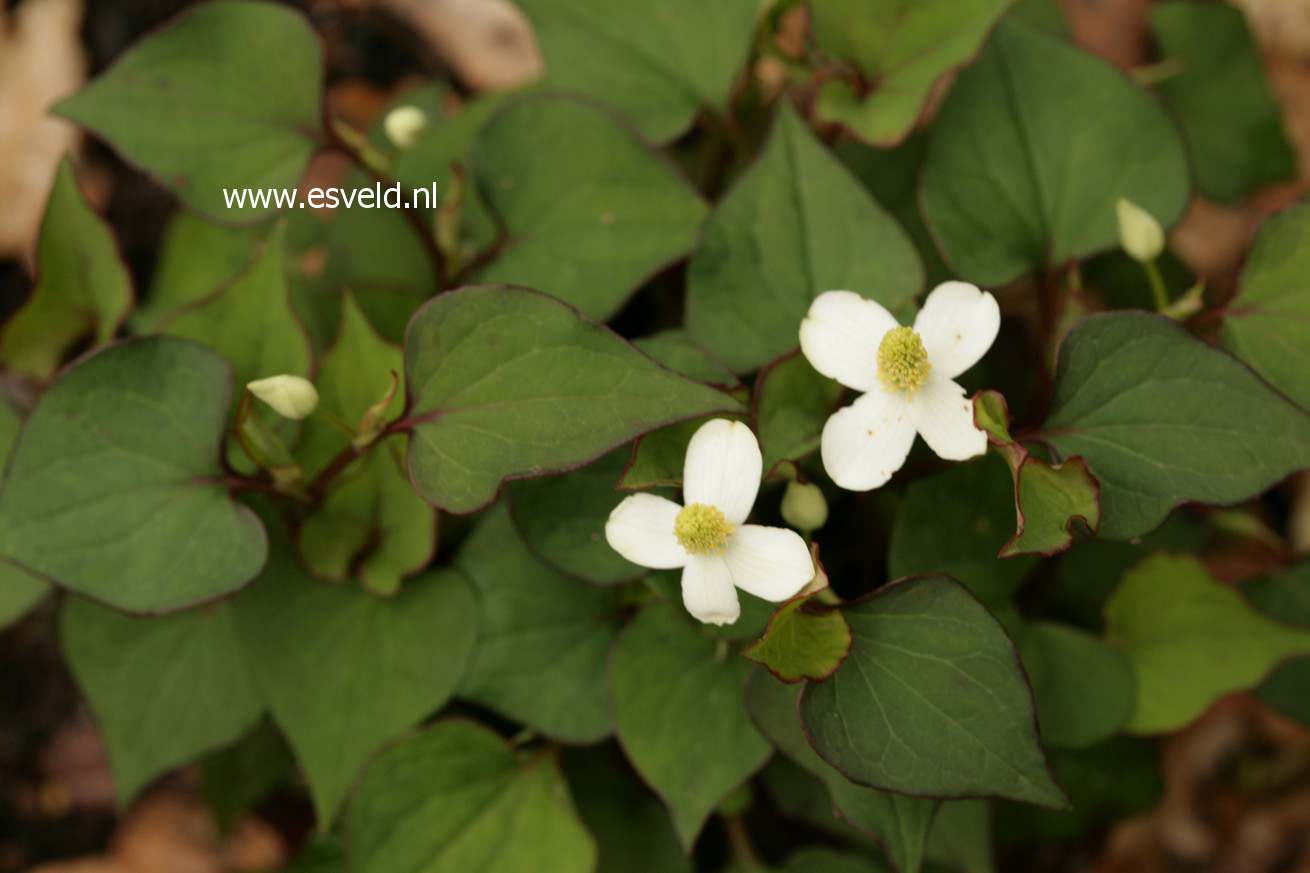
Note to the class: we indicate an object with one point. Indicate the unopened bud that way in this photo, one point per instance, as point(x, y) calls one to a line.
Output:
point(290, 396)
point(404, 126)
point(1139, 233)
point(804, 507)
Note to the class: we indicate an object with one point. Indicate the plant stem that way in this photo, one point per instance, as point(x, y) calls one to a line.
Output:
point(740, 840)
point(1157, 286)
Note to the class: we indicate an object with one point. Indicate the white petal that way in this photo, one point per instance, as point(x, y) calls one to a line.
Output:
point(958, 324)
point(770, 562)
point(944, 417)
point(641, 530)
point(723, 468)
point(865, 443)
point(707, 590)
point(840, 336)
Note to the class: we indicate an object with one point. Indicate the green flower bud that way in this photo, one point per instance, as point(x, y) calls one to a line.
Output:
point(804, 507)
point(290, 396)
point(1139, 233)
point(404, 125)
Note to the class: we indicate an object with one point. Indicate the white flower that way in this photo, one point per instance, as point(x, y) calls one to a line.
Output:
point(907, 374)
point(290, 396)
point(707, 538)
point(1140, 234)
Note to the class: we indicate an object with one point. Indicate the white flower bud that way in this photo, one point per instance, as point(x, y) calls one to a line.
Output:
point(404, 125)
point(804, 507)
point(1139, 233)
point(290, 396)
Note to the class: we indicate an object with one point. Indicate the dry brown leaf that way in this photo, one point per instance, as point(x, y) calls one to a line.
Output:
point(174, 833)
point(489, 44)
point(41, 60)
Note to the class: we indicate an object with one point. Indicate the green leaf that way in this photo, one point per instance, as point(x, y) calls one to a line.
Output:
point(19, 589)
point(821, 859)
point(163, 690)
point(453, 799)
point(931, 701)
point(227, 96)
point(355, 373)
point(1084, 689)
point(798, 223)
point(1286, 596)
point(1048, 498)
point(1087, 574)
point(197, 258)
point(114, 489)
point(1106, 783)
point(659, 65)
point(83, 290)
point(1233, 124)
point(562, 519)
point(543, 637)
point(238, 778)
point(802, 643)
point(680, 715)
point(792, 404)
point(507, 383)
point(961, 836)
point(1161, 417)
point(898, 822)
point(1190, 640)
point(629, 823)
point(373, 525)
point(658, 456)
point(1030, 152)
point(320, 855)
point(588, 211)
point(343, 671)
point(892, 177)
point(250, 322)
point(1267, 324)
point(956, 522)
point(901, 49)
point(377, 255)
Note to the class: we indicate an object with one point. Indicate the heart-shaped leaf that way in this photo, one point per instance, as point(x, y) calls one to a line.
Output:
point(1190, 640)
point(84, 290)
point(1221, 95)
point(798, 223)
point(164, 690)
point(1268, 323)
point(901, 49)
point(680, 715)
point(1031, 151)
point(225, 97)
point(453, 799)
point(589, 211)
point(114, 489)
point(900, 823)
point(507, 383)
point(343, 671)
point(931, 701)
point(659, 65)
point(1161, 417)
point(543, 637)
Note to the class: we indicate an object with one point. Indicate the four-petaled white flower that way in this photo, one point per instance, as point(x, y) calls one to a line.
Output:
point(906, 373)
point(707, 538)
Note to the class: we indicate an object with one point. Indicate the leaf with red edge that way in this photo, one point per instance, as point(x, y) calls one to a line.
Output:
point(806, 639)
point(1048, 498)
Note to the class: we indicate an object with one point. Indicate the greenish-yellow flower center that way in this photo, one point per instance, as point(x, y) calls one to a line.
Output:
point(902, 361)
point(701, 529)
